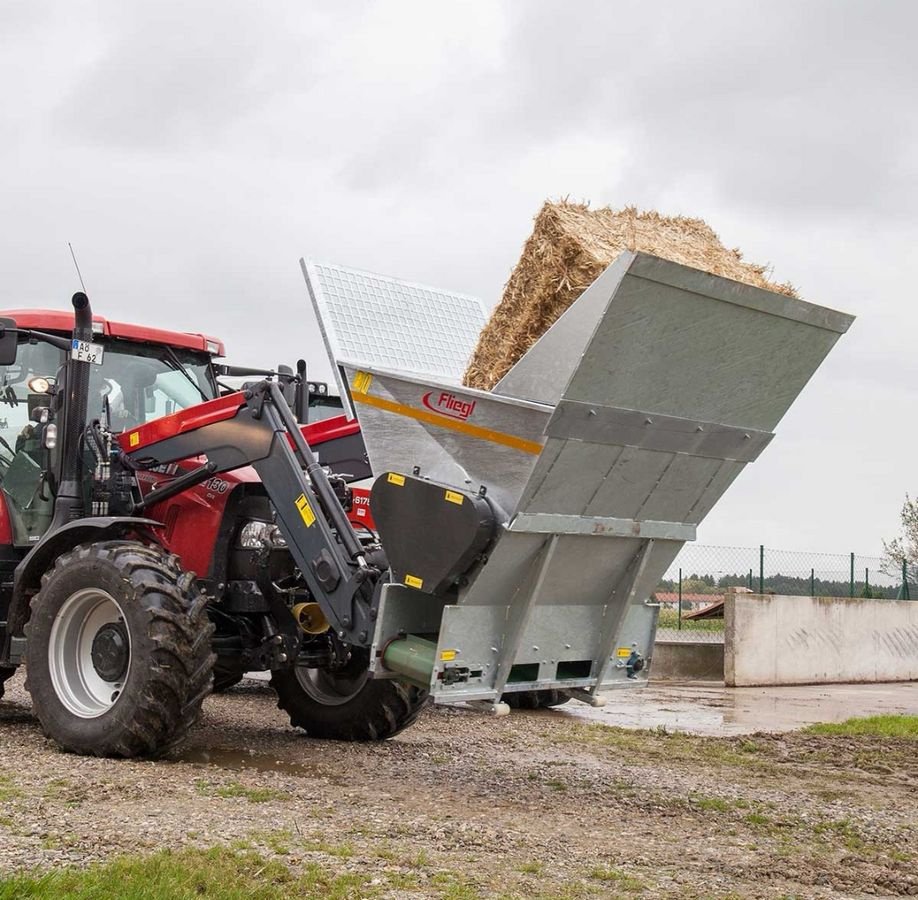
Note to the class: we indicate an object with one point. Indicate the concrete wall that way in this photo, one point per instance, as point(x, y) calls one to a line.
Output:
point(687, 661)
point(813, 640)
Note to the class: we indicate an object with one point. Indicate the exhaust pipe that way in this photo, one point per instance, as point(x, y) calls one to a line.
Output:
point(69, 505)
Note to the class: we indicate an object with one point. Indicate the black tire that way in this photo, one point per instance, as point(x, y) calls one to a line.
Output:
point(142, 593)
point(552, 698)
point(534, 699)
point(367, 709)
point(521, 699)
point(6, 673)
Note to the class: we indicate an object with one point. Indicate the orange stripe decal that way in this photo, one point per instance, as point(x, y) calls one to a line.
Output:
point(431, 418)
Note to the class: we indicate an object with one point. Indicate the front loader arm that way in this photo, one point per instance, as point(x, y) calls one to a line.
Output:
point(256, 428)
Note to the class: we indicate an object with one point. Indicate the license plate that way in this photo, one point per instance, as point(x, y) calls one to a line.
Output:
point(83, 351)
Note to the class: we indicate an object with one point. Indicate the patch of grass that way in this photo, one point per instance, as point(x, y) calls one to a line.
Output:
point(530, 868)
point(453, 886)
point(342, 851)
point(622, 880)
point(218, 874)
point(277, 841)
point(870, 726)
point(757, 819)
point(235, 790)
point(717, 804)
point(831, 795)
point(556, 784)
point(843, 829)
point(8, 790)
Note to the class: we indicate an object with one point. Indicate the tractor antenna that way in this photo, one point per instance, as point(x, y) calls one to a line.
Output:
point(77, 266)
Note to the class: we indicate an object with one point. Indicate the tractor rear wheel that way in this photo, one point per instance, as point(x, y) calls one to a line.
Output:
point(346, 704)
point(118, 658)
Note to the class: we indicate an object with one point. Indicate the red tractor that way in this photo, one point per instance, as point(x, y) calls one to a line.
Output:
point(146, 557)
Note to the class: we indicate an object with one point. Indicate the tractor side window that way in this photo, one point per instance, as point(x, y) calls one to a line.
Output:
point(139, 383)
point(22, 454)
point(17, 399)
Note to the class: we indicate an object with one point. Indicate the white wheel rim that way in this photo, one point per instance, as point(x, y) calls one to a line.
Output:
point(76, 682)
point(330, 689)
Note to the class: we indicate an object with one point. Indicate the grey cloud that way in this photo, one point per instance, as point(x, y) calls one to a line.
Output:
point(174, 75)
point(792, 105)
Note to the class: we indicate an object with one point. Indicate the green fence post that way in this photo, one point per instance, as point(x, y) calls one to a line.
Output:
point(680, 599)
point(851, 584)
point(905, 595)
point(812, 582)
point(750, 580)
point(867, 583)
point(761, 568)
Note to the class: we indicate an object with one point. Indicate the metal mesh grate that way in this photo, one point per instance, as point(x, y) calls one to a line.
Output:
point(392, 324)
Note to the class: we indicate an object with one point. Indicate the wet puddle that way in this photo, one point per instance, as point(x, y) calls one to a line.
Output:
point(231, 758)
point(712, 709)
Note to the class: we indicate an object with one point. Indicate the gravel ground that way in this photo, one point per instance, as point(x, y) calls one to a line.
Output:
point(537, 804)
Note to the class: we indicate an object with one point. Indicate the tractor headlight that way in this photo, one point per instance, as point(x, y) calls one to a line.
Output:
point(255, 535)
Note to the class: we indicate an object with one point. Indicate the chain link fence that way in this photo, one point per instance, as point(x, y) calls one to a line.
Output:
point(692, 591)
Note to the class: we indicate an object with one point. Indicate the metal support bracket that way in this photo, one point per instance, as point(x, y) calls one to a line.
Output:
point(519, 613)
point(490, 707)
point(583, 696)
point(611, 628)
point(603, 526)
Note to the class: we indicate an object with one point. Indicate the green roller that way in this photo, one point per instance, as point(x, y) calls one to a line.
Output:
point(411, 657)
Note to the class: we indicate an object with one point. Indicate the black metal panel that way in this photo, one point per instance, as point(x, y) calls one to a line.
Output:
point(345, 456)
point(432, 533)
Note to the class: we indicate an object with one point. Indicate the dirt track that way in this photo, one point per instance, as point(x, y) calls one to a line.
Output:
point(538, 804)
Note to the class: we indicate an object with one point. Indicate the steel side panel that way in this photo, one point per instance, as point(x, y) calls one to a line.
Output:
point(548, 365)
point(577, 596)
point(443, 452)
point(665, 350)
point(563, 485)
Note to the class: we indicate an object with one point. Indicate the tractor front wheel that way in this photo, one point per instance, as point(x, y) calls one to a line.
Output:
point(118, 658)
point(345, 704)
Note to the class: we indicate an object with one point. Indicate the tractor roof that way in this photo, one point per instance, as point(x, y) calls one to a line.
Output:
point(60, 320)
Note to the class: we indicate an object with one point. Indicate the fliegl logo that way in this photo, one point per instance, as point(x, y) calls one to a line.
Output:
point(448, 404)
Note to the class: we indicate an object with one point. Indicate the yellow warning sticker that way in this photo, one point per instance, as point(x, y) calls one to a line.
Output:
point(395, 478)
point(414, 581)
point(447, 655)
point(453, 497)
point(306, 513)
point(134, 439)
point(362, 382)
point(624, 651)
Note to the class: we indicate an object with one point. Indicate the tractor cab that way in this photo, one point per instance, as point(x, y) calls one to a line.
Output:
point(138, 374)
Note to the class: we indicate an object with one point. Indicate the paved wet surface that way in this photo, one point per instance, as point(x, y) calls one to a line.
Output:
point(708, 708)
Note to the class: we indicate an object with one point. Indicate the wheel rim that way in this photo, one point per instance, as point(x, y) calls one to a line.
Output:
point(88, 635)
point(332, 688)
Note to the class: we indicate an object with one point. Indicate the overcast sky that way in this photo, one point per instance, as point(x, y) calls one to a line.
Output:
point(192, 152)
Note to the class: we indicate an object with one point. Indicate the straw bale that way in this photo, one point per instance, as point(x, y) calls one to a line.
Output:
point(568, 249)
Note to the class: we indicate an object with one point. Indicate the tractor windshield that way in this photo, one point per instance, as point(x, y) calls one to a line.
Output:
point(140, 382)
point(137, 382)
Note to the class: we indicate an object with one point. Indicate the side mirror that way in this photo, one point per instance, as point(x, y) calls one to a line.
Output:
point(8, 342)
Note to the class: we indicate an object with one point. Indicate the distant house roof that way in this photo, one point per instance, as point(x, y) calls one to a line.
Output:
point(673, 597)
point(714, 611)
